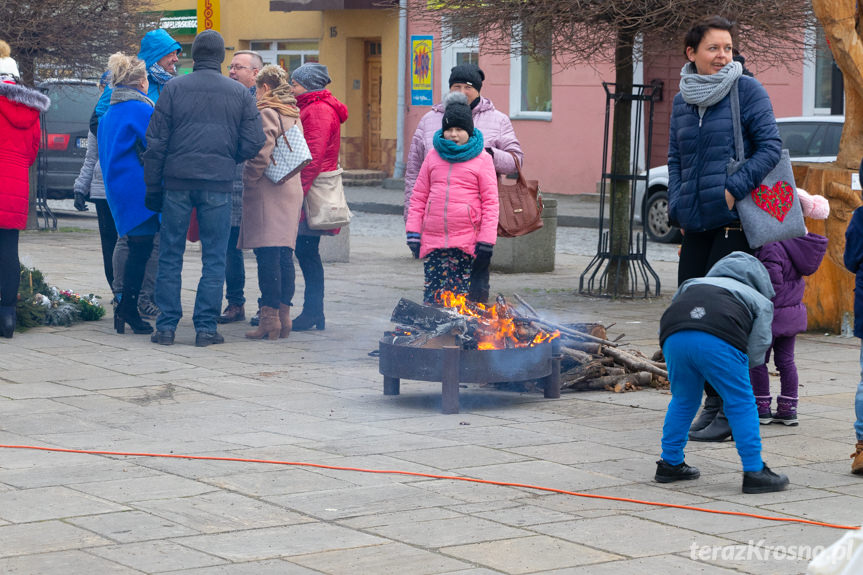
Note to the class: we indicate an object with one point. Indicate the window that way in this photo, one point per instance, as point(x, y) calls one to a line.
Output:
point(530, 85)
point(289, 54)
point(817, 73)
point(456, 48)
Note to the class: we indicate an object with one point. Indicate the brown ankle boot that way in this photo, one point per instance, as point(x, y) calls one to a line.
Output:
point(269, 326)
point(857, 456)
point(285, 318)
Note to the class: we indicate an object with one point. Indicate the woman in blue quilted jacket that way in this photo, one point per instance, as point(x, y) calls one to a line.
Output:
point(701, 194)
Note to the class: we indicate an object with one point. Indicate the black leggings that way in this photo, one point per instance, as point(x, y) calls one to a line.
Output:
point(700, 250)
point(108, 237)
point(275, 275)
point(10, 271)
point(140, 248)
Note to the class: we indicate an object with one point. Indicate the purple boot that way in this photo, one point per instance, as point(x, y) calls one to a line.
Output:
point(765, 416)
point(786, 410)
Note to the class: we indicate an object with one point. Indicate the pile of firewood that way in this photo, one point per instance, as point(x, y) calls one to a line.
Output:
point(591, 361)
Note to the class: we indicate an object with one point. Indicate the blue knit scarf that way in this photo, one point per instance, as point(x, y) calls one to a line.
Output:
point(452, 152)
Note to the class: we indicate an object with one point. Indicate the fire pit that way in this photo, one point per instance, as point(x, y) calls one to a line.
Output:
point(453, 347)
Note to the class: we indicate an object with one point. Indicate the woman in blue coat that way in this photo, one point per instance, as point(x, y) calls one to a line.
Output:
point(701, 194)
point(122, 143)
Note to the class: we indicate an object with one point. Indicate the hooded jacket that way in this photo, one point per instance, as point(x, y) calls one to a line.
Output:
point(322, 116)
point(748, 283)
point(788, 262)
point(699, 151)
point(454, 205)
point(121, 143)
point(854, 263)
point(203, 125)
point(154, 45)
point(496, 129)
point(19, 143)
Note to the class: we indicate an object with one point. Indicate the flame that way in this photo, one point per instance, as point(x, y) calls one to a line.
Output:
point(502, 330)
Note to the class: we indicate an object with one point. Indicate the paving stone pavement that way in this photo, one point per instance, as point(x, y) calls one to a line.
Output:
point(317, 397)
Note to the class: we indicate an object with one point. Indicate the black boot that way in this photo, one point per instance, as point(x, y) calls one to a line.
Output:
point(8, 317)
point(127, 312)
point(712, 405)
point(764, 481)
point(306, 321)
point(718, 430)
point(666, 473)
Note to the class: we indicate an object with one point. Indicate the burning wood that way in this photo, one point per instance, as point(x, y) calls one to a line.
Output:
point(589, 359)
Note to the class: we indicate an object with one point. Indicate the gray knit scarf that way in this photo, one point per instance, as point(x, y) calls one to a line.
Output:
point(706, 90)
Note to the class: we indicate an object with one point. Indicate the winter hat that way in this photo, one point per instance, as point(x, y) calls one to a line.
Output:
point(457, 113)
point(467, 74)
point(311, 76)
point(208, 45)
point(814, 207)
point(8, 67)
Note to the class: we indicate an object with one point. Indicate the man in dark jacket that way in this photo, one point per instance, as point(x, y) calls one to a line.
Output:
point(202, 126)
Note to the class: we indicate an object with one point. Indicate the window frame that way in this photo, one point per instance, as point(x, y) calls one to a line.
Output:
point(271, 56)
point(515, 84)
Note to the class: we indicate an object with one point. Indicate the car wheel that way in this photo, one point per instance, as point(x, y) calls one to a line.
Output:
point(656, 219)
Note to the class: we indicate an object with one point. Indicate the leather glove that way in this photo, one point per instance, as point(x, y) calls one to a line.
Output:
point(414, 244)
point(484, 252)
point(81, 202)
point(479, 285)
point(153, 198)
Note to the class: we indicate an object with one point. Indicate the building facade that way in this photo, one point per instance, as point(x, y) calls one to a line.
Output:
point(558, 112)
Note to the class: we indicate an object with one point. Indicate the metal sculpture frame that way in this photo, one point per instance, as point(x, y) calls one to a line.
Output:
point(596, 278)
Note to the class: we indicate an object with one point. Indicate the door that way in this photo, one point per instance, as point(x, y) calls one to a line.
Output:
point(372, 103)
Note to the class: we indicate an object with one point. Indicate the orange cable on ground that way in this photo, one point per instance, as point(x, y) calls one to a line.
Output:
point(432, 476)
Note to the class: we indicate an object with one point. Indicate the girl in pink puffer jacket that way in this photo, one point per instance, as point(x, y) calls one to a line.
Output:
point(452, 218)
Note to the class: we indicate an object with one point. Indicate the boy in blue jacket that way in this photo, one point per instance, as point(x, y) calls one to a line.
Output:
point(854, 263)
point(715, 329)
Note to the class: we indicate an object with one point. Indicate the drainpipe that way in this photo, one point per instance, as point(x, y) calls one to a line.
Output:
point(399, 168)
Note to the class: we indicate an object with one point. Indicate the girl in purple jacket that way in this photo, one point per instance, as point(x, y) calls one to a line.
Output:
point(788, 262)
point(452, 217)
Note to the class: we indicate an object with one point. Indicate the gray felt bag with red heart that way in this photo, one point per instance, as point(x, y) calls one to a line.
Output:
point(771, 212)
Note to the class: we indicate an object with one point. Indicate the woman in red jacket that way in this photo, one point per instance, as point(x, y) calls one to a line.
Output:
point(19, 142)
point(322, 116)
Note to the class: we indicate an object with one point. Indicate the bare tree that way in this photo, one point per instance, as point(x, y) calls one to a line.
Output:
point(605, 31)
point(71, 37)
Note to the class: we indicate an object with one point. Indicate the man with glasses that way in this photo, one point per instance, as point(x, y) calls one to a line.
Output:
point(244, 68)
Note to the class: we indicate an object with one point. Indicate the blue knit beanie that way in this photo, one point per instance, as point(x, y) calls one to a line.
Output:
point(311, 76)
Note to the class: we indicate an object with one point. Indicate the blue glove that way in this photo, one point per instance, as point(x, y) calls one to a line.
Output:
point(414, 244)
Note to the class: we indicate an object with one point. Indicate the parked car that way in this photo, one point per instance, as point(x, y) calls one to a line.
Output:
point(65, 125)
point(807, 138)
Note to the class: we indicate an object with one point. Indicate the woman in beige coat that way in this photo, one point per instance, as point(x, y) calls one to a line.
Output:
point(271, 212)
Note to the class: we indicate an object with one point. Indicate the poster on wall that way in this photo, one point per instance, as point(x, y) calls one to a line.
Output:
point(421, 71)
point(209, 15)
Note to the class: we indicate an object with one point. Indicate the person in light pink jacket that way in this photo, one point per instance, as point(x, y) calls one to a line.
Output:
point(453, 212)
point(499, 138)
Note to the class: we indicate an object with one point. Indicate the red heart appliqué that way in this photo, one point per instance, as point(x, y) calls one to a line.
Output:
point(775, 200)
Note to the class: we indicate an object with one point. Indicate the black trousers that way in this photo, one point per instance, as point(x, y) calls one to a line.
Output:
point(10, 271)
point(700, 250)
point(309, 256)
point(276, 275)
point(140, 248)
point(107, 236)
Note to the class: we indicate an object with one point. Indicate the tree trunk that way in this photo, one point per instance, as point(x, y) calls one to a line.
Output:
point(840, 20)
point(621, 165)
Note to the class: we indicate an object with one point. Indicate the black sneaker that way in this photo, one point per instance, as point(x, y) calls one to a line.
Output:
point(163, 337)
point(205, 338)
point(667, 473)
point(785, 418)
point(764, 481)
